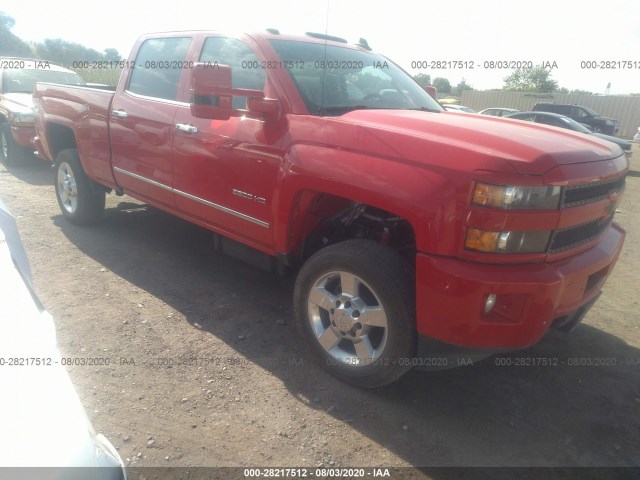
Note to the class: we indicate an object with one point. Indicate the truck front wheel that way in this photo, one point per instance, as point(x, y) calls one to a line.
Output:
point(80, 200)
point(354, 301)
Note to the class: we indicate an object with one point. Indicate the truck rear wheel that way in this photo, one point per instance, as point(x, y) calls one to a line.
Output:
point(80, 200)
point(10, 152)
point(354, 301)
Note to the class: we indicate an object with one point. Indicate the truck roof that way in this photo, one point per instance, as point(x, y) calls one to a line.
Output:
point(272, 33)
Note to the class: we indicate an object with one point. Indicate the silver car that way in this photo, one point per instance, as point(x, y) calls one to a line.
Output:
point(43, 421)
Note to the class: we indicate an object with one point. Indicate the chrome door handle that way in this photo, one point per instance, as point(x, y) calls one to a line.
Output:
point(183, 127)
point(119, 113)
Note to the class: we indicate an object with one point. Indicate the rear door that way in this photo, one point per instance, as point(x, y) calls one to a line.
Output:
point(142, 117)
point(226, 171)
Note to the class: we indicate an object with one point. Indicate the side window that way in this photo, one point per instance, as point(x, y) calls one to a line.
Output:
point(546, 120)
point(563, 110)
point(577, 112)
point(246, 68)
point(158, 67)
point(527, 118)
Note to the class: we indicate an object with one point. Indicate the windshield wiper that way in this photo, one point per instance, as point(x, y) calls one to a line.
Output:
point(425, 109)
point(343, 109)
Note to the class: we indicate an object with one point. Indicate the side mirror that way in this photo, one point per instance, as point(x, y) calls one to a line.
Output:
point(211, 91)
point(268, 107)
point(212, 96)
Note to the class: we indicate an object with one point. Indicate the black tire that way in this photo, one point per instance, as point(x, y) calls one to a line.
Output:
point(10, 152)
point(382, 280)
point(81, 201)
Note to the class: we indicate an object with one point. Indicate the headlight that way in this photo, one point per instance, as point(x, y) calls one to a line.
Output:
point(529, 241)
point(22, 119)
point(516, 197)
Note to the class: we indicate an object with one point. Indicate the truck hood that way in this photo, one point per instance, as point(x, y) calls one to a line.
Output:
point(18, 102)
point(530, 149)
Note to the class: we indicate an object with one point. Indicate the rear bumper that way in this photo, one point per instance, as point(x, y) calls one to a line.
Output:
point(451, 295)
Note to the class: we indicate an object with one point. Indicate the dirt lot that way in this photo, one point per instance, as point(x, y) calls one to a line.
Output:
point(144, 290)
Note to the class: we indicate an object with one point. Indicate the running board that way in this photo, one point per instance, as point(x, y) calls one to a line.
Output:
point(247, 254)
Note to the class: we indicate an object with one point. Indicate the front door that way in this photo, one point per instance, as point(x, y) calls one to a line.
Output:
point(225, 171)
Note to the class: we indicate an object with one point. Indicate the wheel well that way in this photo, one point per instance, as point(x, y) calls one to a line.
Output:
point(60, 138)
point(323, 219)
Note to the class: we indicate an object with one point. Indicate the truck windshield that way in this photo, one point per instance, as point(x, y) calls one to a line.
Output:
point(24, 80)
point(334, 80)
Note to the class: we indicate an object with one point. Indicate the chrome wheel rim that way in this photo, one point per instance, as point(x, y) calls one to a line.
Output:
point(347, 318)
point(5, 145)
point(67, 188)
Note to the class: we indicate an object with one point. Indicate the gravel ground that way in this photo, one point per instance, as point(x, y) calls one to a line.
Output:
point(205, 367)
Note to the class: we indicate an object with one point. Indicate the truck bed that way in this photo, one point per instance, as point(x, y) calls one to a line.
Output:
point(85, 110)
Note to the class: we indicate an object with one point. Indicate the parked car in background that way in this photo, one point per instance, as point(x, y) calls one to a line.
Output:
point(459, 108)
point(596, 122)
point(43, 421)
point(498, 112)
point(561, 121)
point(18, 77)
point(636, 137)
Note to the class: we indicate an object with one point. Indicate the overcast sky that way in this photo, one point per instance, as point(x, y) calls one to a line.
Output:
point(561, 31)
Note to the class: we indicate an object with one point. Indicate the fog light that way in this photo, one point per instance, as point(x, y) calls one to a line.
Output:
point(489, 303)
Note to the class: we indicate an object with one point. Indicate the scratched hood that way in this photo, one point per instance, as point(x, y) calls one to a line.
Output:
point(529, 148)
point(18, 102)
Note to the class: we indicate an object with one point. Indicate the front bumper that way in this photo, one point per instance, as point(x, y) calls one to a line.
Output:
point(23, 136)
point(451, 295)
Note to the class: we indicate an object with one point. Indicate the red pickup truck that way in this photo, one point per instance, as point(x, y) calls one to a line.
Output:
point(413, 230)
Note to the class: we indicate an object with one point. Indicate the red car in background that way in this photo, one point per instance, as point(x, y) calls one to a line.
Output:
point(18, 77)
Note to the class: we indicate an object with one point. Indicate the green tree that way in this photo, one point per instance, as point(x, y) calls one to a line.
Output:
point(65, 53)
point(111, 54)
point(422, 79)
point(581, 92)
point(536, 79)
point(442, 85)
point(461, 87)
point(11, 45)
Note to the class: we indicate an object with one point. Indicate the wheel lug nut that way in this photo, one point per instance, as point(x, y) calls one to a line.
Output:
point(357, 326)
point(347, 304)
point(355, 314)
point(332, 311)
point(338, 303)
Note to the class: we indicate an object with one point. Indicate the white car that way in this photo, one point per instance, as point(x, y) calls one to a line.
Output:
point(43, 421)
point(498, 112)
point(459, 108)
